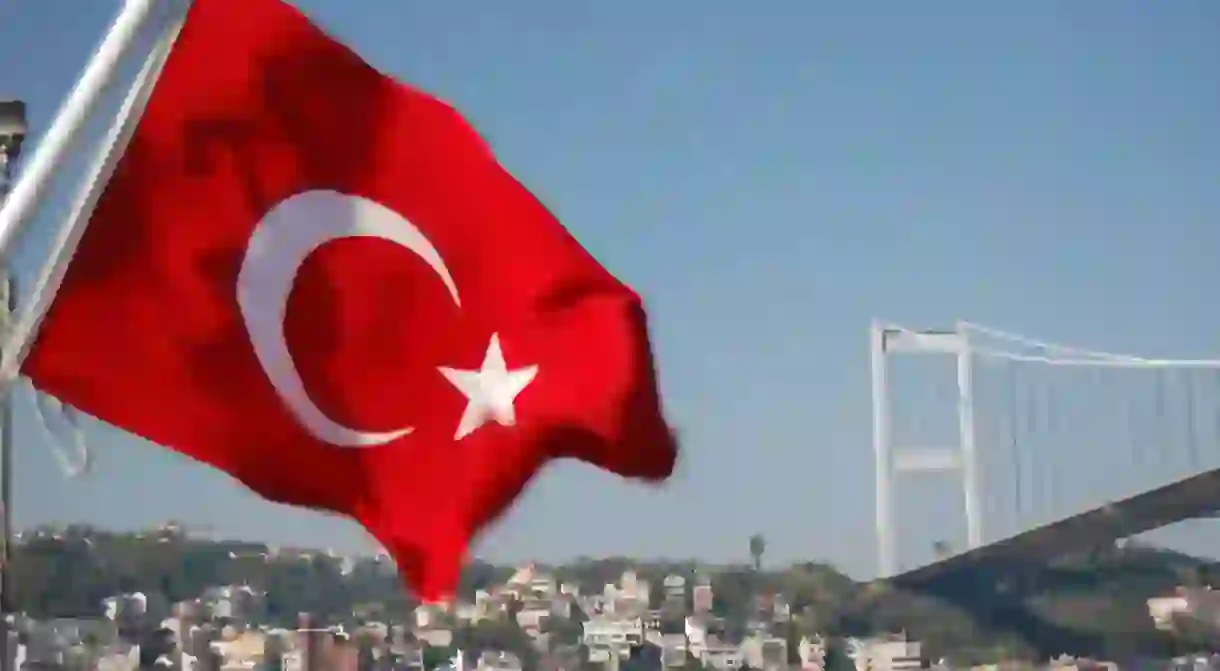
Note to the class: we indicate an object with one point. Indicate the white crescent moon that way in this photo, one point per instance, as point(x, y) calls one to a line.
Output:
point(280, 243)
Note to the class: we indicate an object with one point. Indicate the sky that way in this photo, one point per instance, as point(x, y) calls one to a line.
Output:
point(772, 176)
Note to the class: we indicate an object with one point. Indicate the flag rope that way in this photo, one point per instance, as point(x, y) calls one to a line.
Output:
point(73, 465)
point(73, 455)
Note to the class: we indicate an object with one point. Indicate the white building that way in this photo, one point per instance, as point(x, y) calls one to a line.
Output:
point(1199, 606)
point(498, 661)
point(530, 582)
point(696, 633)
point(885, 654)
point(812, 652)
point(702, 598)
point(134, 604)
point(765, 652)
point(533, 614)
point(721, 656)
point(610, 634)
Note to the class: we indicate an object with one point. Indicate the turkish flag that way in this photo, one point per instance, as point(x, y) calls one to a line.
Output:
point(321, 281)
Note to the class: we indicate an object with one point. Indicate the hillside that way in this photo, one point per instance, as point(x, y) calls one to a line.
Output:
point(1095, 602)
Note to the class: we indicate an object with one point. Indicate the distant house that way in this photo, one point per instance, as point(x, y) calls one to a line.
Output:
point(717, 654)
point(530, 582)
point(892, 653)
point(534, 614)
point(498, 660)
point(605, 634)
point(1198, 606)
point(765, 652)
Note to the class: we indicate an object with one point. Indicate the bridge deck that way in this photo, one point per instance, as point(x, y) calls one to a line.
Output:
point(1196, 496)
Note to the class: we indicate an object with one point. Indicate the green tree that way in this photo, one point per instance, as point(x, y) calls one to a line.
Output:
point(758, 545)
point(837, 659)
point(364, 649)
point(273, 654)
point(733, 592)
point(497, 635)
point(435, 656)
point(564, 630)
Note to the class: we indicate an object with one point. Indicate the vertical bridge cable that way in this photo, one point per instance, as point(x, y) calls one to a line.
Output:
point(1047, 479)
point(1216, 412)
point(1014, 439)
point(1192, 438)
point(1215, 437)
point(1159, 414)
point(1034, 393)
point(1131, 432)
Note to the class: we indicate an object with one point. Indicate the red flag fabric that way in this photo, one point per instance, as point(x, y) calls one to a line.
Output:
point(321, 281)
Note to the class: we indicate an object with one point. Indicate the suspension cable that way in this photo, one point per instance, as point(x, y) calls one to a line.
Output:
point(1095, 363)
point(1031, 343)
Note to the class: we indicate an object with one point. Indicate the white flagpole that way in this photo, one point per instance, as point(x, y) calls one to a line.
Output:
point(53, 148)
point(8, 156)
point(7, 602)
point(13, 128)
point(23, 200)
point(20, 337)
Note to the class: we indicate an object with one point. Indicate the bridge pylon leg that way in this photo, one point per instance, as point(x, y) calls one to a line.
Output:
point(884, 341)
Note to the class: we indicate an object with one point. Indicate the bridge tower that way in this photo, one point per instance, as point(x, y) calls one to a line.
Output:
point(893, 461)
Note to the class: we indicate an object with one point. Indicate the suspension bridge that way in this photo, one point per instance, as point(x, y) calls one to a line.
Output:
point(1051, 449)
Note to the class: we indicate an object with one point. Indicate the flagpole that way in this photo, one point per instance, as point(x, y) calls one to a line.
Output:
point(18, 201)
point(7, 602)
point(12, 132)
point(20, 336)
point(54, 146)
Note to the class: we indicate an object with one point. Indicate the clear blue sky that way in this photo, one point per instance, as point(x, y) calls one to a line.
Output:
point(771, 176)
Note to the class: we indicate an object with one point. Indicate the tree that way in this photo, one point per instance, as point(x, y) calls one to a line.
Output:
point(792, 636)
point(733, 592)
point(564, 630)
point(837, 660)
point(435, 656)
point(365, 658)
point(155, 644)
point(692, 663)
point(758, 545)
point(273, 653)
point(836, 656)
point(499, 635)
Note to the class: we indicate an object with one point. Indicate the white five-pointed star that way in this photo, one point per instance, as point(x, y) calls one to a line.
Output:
point(491, 390)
